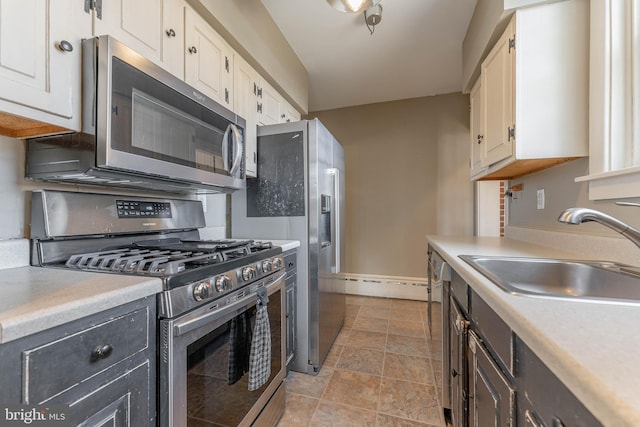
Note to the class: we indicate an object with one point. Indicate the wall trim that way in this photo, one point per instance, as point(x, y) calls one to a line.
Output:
point(412, 288)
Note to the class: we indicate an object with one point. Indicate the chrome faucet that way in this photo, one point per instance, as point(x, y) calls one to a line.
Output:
point(580, 215)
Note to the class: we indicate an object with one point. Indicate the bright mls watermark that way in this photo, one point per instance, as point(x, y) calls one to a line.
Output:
point(34, 415)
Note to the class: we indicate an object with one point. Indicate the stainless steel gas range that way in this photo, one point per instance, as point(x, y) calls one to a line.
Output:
point(221, 355)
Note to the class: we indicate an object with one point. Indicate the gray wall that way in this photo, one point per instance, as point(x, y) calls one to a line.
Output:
point(407, 175)
point(16, 198)
point(563, 192)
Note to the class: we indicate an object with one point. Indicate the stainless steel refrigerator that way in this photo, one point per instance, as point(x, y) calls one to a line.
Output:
point(299, 195)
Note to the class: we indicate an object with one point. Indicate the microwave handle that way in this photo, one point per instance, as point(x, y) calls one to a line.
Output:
point(237, 140)
point(225, 148)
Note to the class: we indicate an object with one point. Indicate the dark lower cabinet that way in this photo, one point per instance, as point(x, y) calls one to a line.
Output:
point(100, 370)
point(490, 377)
point(492, 398)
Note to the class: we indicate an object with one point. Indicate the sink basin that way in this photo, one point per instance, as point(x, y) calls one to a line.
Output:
point(556, 278)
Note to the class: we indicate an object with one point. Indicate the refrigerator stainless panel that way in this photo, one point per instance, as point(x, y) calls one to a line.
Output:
point(320, 297)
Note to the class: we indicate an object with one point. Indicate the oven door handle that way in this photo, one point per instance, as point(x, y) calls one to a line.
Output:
point(188, 325)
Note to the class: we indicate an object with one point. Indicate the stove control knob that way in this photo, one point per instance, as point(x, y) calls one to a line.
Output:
point(249, 273)
point(223, 283)
point(267, 265)
point(277, 263)
point(202, 290)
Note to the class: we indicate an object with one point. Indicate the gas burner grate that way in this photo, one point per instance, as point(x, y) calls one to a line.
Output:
point(155, 262)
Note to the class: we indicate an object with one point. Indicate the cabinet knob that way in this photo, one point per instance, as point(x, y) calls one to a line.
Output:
point(101, 352)
point(193, 49)
point(454, 373)
point(170, 32)
point(480, 138)
point(556, 422)
point(64, 46)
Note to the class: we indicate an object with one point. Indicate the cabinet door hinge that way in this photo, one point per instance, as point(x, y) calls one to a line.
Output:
point(511, 133)
point(512, 44)
point(95, 5)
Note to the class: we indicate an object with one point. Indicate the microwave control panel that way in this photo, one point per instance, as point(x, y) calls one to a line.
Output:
point(139, 209)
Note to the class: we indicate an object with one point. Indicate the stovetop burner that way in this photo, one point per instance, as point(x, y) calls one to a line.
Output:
point(165, 257)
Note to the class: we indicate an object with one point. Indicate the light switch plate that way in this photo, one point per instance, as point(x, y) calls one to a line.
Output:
point(540, 199)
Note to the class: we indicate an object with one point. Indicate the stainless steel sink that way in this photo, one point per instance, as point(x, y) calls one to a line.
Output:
point(556, 278)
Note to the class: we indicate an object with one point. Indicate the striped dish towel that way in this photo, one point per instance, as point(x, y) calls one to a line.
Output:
point(260, 358)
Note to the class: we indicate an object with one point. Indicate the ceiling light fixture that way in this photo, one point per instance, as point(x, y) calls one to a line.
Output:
point(372, 17)
point(353, 6)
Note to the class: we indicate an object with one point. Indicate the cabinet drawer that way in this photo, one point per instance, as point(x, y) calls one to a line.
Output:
point(546, 396)
point(290, 262)
point(494, 331)
point(460, 291)
point(52, 368)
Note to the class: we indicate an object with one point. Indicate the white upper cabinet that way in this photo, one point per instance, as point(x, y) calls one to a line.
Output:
point(535, 91)
point(208, 61)
point(136, 23)
point(173, 52)
point(270, 104)
point(40, 48)
point(245, 88)
point(497, 101)
point(272, 107)
point(476, 128)
point(290, 113)
point(153, 28)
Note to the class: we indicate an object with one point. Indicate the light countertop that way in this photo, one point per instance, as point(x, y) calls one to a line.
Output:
point(33, 299)
point(591, 347)
point(286, 245)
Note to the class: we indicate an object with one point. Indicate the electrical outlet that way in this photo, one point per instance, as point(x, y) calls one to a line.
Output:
point(540, 199)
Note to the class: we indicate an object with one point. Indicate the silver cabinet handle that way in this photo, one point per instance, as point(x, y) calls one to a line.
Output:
point(64, 46)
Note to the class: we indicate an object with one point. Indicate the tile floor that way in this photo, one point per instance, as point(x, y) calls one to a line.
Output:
point(383, 371)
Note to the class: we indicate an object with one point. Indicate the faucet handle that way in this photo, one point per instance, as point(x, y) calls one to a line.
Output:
point(628, 204)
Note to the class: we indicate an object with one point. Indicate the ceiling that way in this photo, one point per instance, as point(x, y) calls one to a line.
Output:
point(415, 51)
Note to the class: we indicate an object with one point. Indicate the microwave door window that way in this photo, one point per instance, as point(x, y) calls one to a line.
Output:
point(169, 134)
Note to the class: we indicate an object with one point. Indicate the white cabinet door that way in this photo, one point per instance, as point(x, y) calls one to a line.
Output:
point(270, 104)
point(136, 23)
point(153, 28)
point(477, 129)
point(208, 63)
point(173, 37)
point(245, 82)
point(290, 113)
point(497, 74)
point(40, 48)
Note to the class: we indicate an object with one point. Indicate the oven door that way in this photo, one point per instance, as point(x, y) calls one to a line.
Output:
point(195, 384)
point(147, 120)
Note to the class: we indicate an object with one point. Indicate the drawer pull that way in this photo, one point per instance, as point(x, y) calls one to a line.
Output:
point(101, 352)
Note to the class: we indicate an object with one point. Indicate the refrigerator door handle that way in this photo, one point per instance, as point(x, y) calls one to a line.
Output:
point(336, 209)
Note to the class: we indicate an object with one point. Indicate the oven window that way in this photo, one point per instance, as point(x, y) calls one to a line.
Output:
point(214, 395)
point(150, 119)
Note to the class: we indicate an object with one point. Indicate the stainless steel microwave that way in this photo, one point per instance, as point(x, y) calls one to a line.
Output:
point(142, 128)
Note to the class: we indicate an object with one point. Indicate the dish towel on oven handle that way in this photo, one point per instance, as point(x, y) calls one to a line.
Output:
point(260, 359)
point(239, 346)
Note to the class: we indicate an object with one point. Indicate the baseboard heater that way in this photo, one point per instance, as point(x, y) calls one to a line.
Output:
point(412, 288)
